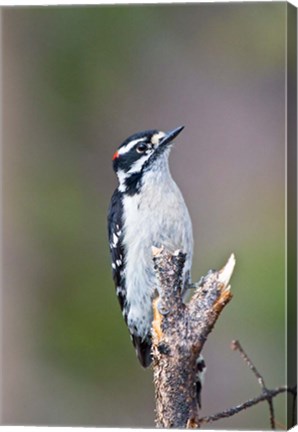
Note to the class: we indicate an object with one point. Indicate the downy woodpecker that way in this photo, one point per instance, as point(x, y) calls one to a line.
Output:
point(147, 209)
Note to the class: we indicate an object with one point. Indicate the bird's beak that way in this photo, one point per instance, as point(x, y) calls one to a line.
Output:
point(170, 136)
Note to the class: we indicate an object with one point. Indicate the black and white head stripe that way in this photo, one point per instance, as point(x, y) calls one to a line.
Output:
point(137, 153)
point(134, 147)
point(151, 136)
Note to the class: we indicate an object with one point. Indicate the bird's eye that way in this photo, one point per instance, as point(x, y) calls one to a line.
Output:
point(141, 148)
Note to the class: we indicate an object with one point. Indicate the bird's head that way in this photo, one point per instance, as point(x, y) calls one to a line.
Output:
point(140, 153)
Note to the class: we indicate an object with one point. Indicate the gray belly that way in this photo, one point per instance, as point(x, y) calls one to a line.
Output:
point(140, 276)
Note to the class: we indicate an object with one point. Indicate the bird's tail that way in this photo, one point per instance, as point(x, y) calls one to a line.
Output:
point(143, 350)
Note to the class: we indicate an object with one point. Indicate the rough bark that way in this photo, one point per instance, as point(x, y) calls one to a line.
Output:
point(179, 333)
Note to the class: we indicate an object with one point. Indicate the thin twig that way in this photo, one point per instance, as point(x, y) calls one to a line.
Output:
point(266, 395)
point(251, 402)
point(236, 346)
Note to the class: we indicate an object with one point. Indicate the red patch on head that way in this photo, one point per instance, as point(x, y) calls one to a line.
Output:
point(116, 155)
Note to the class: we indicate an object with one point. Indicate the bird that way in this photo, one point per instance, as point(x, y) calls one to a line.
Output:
point(146, 209)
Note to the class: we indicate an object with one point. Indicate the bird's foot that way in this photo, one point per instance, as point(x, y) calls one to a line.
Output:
point(200, 283)
point(161, 310)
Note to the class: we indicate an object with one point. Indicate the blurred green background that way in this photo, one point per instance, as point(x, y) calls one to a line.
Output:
point(76, 82)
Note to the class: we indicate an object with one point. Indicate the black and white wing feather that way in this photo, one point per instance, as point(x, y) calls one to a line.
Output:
point(117, 250)
point(115, 229)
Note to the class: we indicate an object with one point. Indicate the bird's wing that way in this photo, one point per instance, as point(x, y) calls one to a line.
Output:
point(115, 228)
point(117, 250)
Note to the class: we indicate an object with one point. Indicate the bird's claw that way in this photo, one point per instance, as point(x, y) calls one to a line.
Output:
point(161, 310)
point(200, 283)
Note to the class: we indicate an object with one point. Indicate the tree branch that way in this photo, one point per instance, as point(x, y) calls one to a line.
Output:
point(179, 333)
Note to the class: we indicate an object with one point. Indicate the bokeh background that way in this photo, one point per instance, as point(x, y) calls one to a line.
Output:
point(76, 82)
